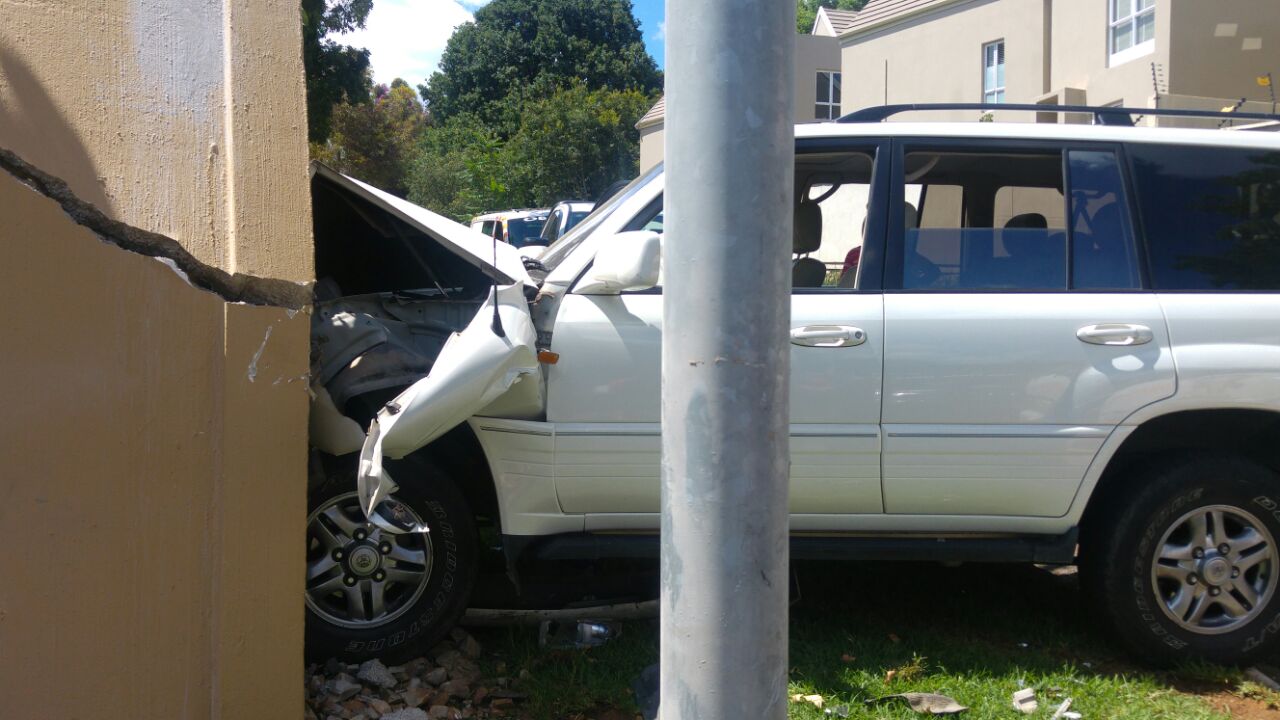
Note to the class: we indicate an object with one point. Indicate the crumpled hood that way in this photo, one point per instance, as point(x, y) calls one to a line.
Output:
point(476, 370)
point(499, 260)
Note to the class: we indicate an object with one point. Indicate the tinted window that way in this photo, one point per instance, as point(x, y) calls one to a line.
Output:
point(1102, 247)
point(1211, 216)
point(991, 221)
point(521, 231)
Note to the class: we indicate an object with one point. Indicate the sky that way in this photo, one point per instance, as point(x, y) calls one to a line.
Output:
point(405, 38)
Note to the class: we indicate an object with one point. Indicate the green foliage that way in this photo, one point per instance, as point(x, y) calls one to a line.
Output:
point(576, 142)
point(459, 169)
point(571, 144)
point(521, 49)
point(374, 141)
point(807, 11)
point(335, 73)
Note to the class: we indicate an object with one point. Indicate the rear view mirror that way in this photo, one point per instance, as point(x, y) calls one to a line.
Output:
point(626, 261)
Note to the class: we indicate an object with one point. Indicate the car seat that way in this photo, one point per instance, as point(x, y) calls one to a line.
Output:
point(806, 237)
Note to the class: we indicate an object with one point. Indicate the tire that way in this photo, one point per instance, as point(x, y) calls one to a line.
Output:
point(426, 580)
point(1154, 563)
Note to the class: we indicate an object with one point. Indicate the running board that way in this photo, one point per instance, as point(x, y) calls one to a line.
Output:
point(1044, 549)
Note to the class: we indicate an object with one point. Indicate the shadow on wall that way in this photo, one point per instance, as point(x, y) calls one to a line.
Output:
point(33, 126)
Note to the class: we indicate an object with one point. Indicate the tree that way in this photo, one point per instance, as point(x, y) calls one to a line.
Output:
point(459, 169)
point(521, 49)
point(807, 11)
point(374, 141)
point(335, 73)
point(574, 143)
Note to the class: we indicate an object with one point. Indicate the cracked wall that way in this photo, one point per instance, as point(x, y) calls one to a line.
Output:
point(157, 264)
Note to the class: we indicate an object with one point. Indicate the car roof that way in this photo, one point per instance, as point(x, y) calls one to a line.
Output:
point(1042, 131)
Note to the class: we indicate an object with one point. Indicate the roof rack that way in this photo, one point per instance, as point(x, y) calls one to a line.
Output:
point(1101, 115)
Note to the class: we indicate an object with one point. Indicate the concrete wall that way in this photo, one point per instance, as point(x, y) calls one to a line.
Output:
point(154, 433)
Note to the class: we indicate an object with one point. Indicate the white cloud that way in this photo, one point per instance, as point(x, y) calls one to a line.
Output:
point(405, 38)
point(661, 34)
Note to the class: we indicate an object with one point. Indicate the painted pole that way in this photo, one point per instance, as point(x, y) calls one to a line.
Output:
point(725, 358)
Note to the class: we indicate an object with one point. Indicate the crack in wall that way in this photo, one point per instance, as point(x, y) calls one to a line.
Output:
point(237, 287)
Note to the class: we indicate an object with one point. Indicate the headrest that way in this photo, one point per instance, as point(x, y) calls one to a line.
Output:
point(806, 237)
point(910, 216)
point(1027, 221)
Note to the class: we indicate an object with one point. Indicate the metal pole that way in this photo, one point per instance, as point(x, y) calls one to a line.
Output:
point(725, 370)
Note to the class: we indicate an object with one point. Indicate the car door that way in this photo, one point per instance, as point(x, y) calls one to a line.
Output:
point(604, 390)
point(1017, 332)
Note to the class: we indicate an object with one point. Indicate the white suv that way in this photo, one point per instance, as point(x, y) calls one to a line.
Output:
point(1011, 342)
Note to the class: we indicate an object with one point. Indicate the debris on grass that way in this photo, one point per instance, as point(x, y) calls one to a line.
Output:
point(925, 703)
point(1024, 701)
point(1063, 711)
point(814, 700)
point(913, 670)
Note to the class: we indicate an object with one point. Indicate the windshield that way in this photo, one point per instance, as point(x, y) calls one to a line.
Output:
point(522, 231)
point(575, 218)
point(561, 248)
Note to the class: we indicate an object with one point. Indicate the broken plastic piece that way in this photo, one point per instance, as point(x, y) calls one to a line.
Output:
point(1061, 712)
point(474, 369)
point(841, 711)
point(580, 635)
point(926, 703)
point(1024, 701)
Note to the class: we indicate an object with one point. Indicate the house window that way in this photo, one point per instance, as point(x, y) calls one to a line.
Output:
point(1133, 29)
point(993, 72)
point(827, 106)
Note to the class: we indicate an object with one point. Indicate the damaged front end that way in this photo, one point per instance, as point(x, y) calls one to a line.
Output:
point(419, 324)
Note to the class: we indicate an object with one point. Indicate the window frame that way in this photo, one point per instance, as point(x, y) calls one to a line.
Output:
point(871, 262)
point(1135, 51)
point(895, 232)
point(999, 90)
point(832, 106)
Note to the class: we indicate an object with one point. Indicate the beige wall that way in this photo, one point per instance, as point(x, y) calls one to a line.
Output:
point(154, 434)
point(938, 57)
point(1206, 64)
point(651, 147)
point(813, 53)
point(1081, 58)
point(1059, 48)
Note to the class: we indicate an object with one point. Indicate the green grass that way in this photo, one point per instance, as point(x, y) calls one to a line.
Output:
point(975, 633)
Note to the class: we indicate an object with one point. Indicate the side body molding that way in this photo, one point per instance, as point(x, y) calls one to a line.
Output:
point(477, 372)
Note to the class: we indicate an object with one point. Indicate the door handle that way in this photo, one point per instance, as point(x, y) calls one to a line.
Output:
point(1119, 334)
point(828, 336)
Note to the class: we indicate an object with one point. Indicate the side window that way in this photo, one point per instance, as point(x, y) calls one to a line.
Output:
point(983, 221)
point(1102, 248)
point(834, 191)
point(1211, 216)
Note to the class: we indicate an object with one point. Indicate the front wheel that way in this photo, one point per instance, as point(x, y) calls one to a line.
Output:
point(372, 593)
point(1188, 567)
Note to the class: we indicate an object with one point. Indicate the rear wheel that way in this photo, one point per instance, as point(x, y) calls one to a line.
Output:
point(373, 593)
point(1187, 565)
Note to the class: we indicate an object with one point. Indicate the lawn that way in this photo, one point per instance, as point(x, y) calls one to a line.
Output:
point(858, 632)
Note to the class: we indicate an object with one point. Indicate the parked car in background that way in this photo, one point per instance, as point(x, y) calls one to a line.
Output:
point(517, 228)
point(563, 217)
point(1056, 344)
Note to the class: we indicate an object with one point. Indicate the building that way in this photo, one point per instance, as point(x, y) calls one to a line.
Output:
point(1191, 54)
point(1137, 53)
point(157, 277)
point(817, 94)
